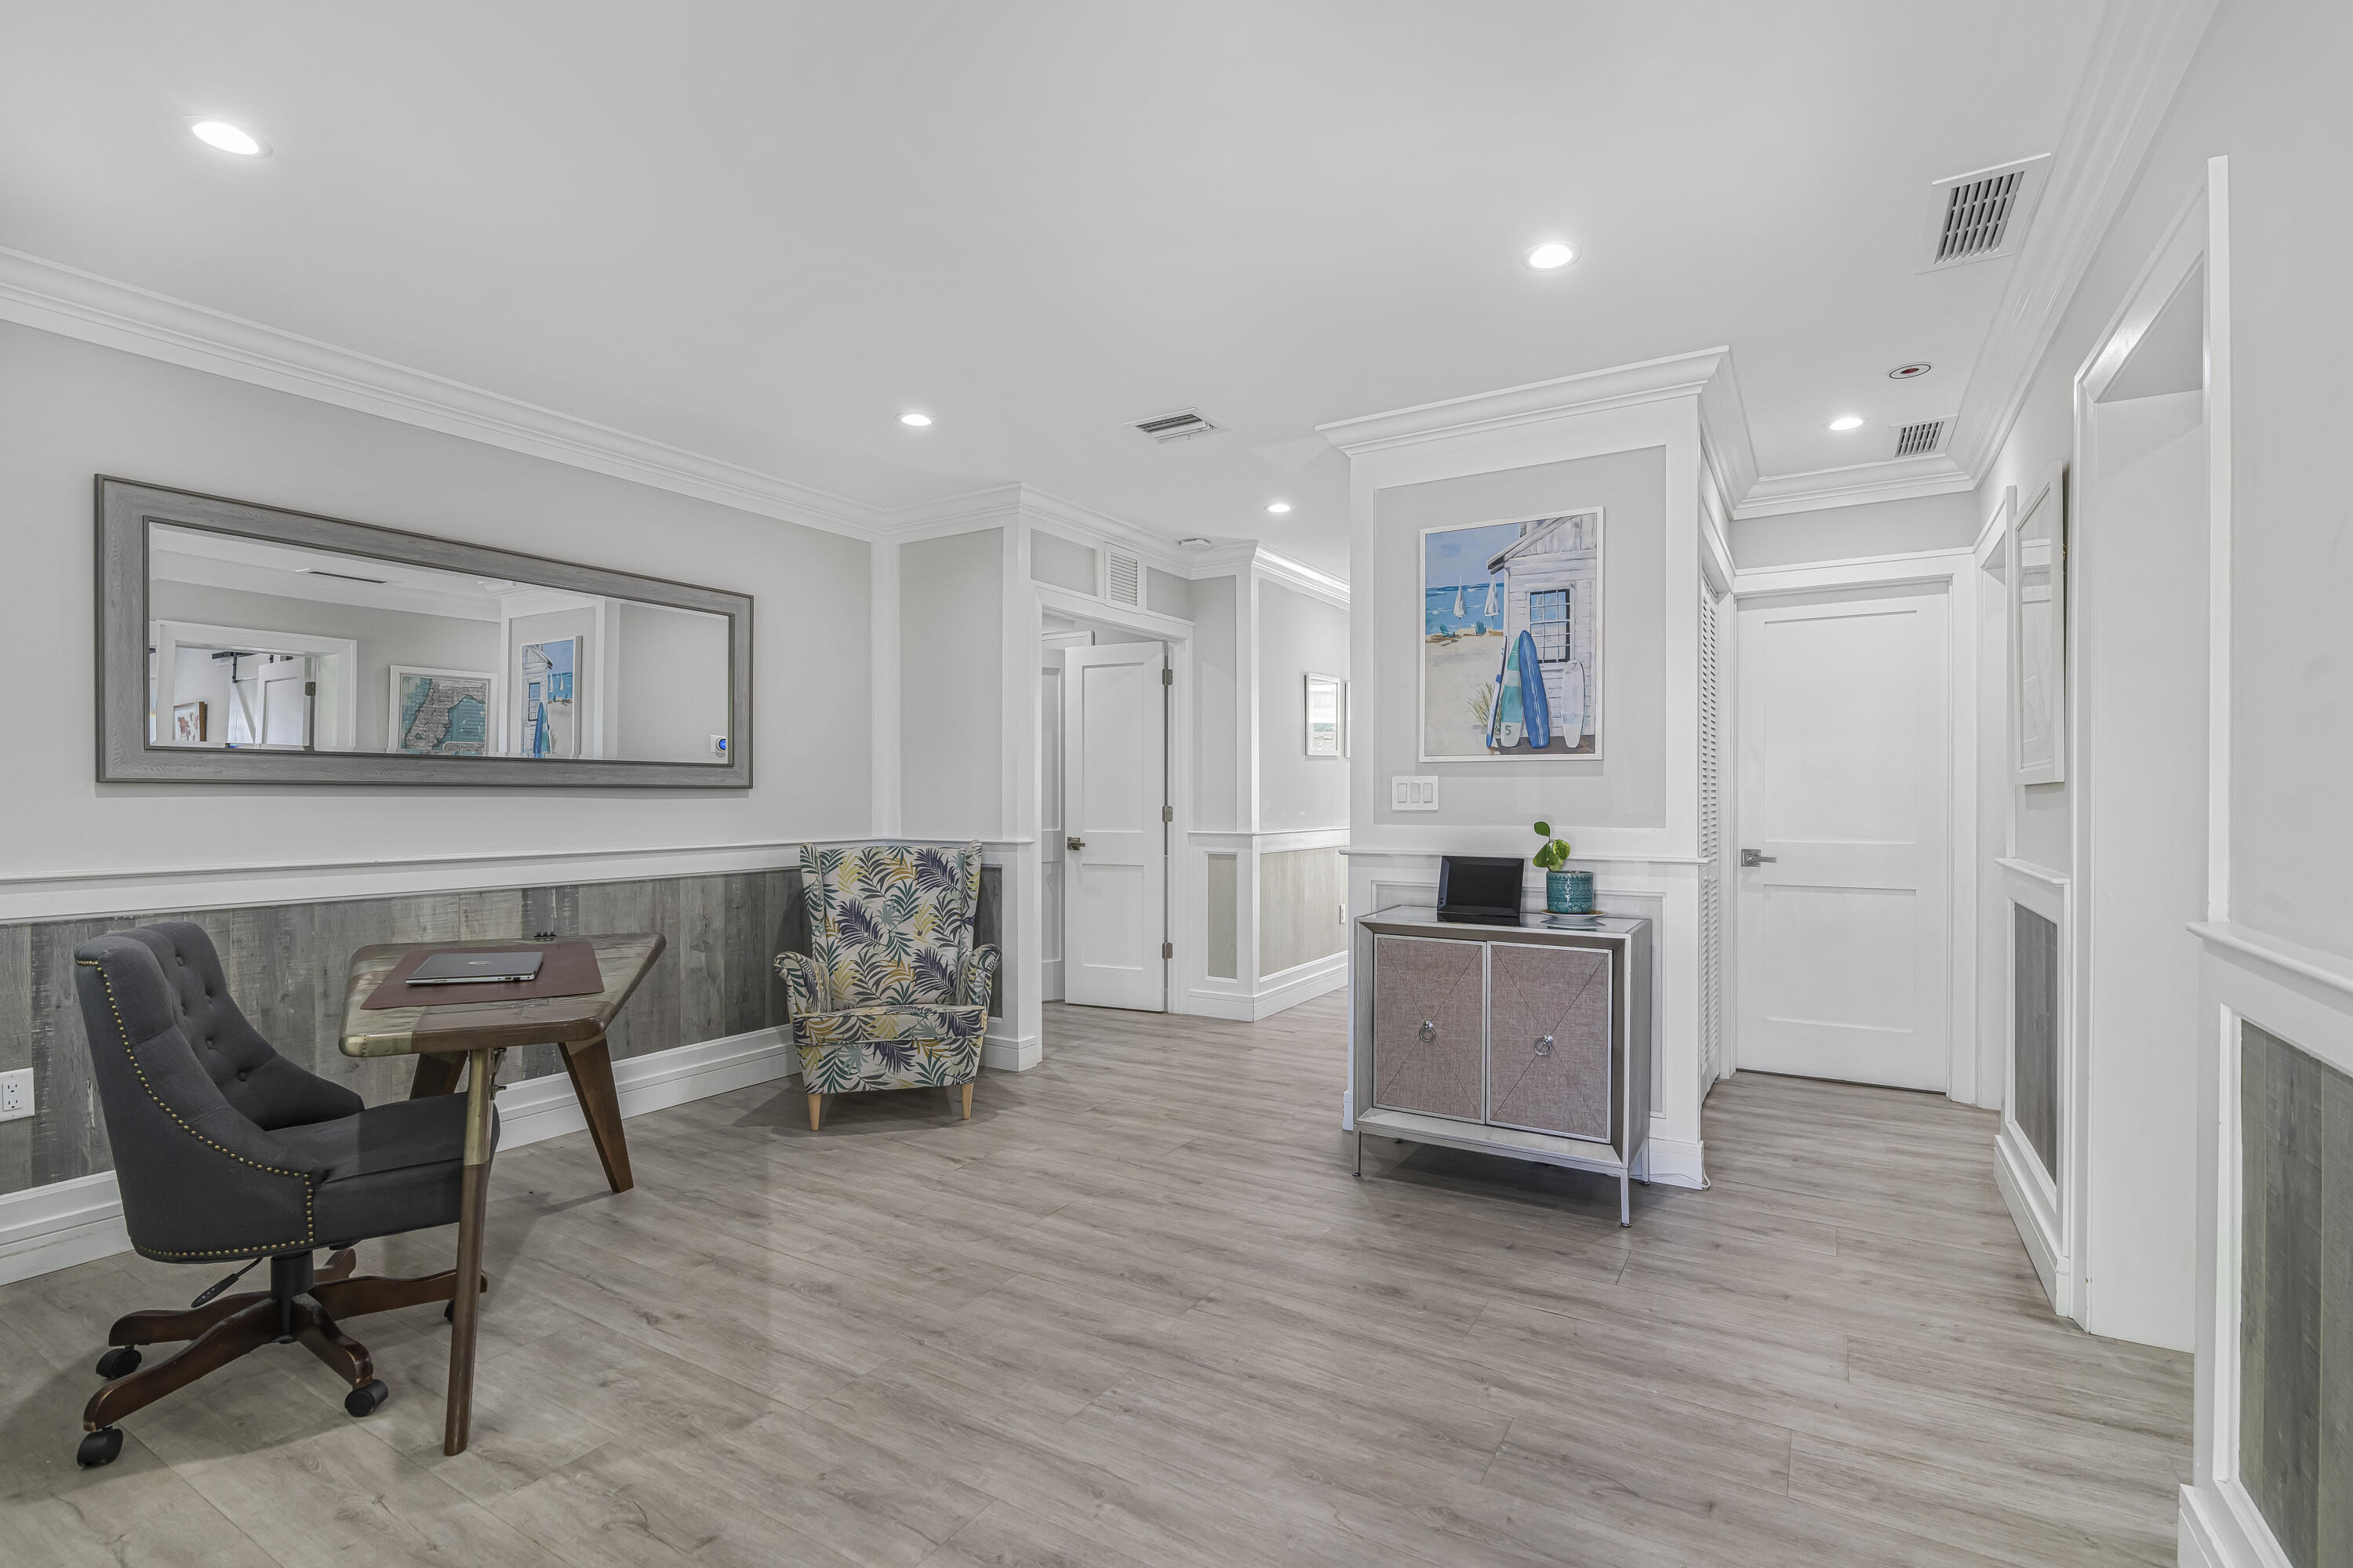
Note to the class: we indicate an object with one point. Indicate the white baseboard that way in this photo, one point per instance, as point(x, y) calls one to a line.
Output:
point(1011, 1053)
point(1285, 989)
point(2042, 1246)
point(1676, 1161)
point(47, 1228)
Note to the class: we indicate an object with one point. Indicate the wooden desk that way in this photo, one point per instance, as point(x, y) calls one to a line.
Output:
point(470, 1038)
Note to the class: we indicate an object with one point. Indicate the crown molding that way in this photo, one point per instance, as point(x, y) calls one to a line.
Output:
point(1005, 505)
point(1896, 479)
point(2139, 56)
point(1724, 432)
point(1299, 576)
point(1650, 381)
point(67, 300)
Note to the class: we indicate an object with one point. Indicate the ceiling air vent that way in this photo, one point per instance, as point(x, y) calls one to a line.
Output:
point(1181, 426)
point(1920, 440)
point(1981, 215)
point(1122, 579)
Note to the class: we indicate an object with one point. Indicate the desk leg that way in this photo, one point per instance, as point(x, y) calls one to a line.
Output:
point(437, 1073)
point(590, 1063)
point(474, 1205)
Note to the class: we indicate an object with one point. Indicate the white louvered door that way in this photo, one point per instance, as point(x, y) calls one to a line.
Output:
point(1710, 843)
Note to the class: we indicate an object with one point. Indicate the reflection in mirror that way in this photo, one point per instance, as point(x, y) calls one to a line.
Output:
point(261, 646)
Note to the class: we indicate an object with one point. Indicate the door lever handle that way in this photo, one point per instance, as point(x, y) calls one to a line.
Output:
point(1749, 857)
point(1075, 843)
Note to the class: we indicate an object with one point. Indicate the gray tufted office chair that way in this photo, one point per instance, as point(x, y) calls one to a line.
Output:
point(225, 1150)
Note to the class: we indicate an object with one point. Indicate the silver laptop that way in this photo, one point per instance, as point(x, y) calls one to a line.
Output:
point(469, 968)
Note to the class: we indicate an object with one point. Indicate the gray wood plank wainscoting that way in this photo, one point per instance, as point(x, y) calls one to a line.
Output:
point(286, 965)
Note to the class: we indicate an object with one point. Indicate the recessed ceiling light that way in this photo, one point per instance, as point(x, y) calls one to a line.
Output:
point(229, 138)
point(917, 421)
point(1846, 422)
point(1551, 254)
point(1911, 372)
point(1278, 507)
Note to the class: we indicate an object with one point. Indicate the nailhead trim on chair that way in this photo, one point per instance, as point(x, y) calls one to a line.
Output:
point(309, 1188)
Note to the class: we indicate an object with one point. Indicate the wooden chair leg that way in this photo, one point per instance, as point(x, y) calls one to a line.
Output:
point(376, 1293)
point(248, 1329)
point(968, 1102)
point(347, 1357)
point(817, 1111)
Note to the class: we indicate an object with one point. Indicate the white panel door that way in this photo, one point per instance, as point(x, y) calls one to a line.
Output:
point(1844, 948)
point(1114, 846)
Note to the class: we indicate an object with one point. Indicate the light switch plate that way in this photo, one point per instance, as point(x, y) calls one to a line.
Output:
point(1412, 794)
point(16, 1094)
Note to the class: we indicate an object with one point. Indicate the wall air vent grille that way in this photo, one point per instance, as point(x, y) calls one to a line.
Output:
point(1181, 426)
point(1981, 215)
point(1122, 579)
point(1920, 440)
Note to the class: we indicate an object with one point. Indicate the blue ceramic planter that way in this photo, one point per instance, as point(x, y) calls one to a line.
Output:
point(1569, 892)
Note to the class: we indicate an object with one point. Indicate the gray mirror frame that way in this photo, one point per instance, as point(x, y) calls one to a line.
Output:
point(124, 757)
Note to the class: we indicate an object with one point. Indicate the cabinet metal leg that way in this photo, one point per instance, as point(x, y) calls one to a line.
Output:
point(1360, 1151)
point(1625, 1199)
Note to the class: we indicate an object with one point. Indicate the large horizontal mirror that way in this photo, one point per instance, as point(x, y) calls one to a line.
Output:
point(246, 644)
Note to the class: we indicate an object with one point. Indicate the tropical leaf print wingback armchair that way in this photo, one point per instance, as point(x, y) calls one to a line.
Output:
point(892, 994)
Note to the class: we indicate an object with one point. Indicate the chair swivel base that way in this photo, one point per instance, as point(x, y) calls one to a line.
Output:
point(299, 1306)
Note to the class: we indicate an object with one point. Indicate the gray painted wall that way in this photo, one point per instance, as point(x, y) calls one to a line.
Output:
point(673, 681)
point(951, 671)
point(1062, 562)
point(1297, 634)
point(69, 411)
point(1624, 787)
point(1948, 522)
point(1165, 593)
point(1216, 661)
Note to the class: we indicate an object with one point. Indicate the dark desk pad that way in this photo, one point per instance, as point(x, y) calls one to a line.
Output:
point(569, 970)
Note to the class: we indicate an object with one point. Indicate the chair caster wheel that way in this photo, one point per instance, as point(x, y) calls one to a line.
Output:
point(367, 1399)
point(99, 1448)
point(120, 1361)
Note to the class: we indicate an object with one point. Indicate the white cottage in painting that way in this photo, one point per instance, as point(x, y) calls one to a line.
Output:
point(1552, 590)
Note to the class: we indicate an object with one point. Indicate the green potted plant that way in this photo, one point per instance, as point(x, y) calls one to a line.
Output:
point(1565, 892)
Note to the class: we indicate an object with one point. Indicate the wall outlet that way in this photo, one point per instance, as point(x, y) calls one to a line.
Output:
point(1412, 794)
point(16, 1094)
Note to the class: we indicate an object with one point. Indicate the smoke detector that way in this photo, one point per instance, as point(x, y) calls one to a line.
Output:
point(1912, 372)
point(1182, 425)
point(1195, 542)
point(1982, 216)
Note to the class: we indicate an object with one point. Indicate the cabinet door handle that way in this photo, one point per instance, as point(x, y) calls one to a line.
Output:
point(1543, 1044)
point(1752, 858)
point(1428, 1031)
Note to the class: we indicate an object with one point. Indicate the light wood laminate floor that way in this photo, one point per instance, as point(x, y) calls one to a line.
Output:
point(1136, 1311)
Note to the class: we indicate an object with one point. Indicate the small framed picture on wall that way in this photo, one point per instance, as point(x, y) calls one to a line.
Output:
point(189, 722)
point(1325, 716)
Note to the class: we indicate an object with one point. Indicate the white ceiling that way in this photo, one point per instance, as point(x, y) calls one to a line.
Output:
point(760, 231)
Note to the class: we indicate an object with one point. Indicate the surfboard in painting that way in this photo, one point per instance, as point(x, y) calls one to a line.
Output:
point(1532, 701)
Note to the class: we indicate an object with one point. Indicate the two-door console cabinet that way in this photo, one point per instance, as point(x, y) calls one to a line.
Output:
point(1529, 1039)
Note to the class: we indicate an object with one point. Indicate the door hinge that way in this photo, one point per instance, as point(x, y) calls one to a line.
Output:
point(1168, 949)
point(1167, 814)
point(1167, 676)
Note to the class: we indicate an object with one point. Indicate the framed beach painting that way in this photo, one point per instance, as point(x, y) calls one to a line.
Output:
point(550, 716)
point(441, 713)
point(1511, 639)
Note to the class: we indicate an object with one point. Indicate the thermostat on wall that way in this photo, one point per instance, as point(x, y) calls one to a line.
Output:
point(1412, 794)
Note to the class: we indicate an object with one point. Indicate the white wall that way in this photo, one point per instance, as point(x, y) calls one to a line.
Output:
point(386, 637)
point(1296, 635)
point(952, 686)
point(1626, 786)
point(2267, 89)
point(1948, 521)
point(69, 411)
